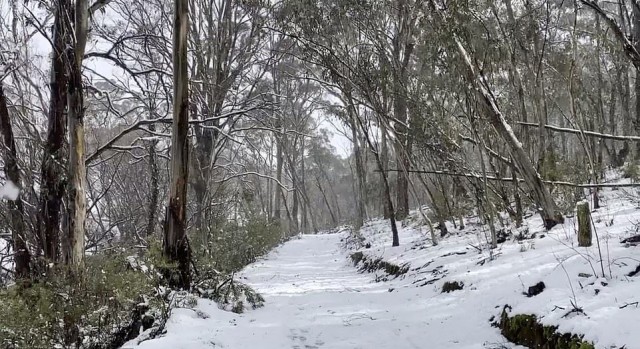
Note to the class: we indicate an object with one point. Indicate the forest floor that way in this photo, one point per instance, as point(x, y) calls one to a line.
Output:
point(316, 298)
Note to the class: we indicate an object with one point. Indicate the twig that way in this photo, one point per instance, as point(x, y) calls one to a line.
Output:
point(628, 304)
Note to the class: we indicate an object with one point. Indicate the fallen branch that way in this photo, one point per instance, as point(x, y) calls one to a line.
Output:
point(629, 304)
point(587, 133)
point(510, 179)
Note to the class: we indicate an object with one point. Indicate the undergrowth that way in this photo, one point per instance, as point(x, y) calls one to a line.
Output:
point(93, 309)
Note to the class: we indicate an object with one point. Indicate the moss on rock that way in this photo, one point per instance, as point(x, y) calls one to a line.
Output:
point(524, 329)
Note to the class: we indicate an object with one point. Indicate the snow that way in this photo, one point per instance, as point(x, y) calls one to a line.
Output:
point(316, 298)
point(9, 191)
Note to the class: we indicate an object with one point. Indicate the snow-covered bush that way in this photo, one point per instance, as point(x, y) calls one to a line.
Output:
point(230, 294)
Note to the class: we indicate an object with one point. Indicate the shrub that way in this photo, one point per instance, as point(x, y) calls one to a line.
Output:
point(235, 245)
point(100, 308)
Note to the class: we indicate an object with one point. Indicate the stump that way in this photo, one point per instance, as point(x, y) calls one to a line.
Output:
point(584, 224)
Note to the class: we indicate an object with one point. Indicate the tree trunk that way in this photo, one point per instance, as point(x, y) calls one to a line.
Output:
point(295, 225)
point(515, 73)
point(203, 153)
point(625, 92)
point(485, 189)
point(516, 198)
point(402, 155)
point(76, 195)
point(384, 159)
point(636, 35)
point(392, 217)
point(402, 50)
point(154, 173)
point(334, 220)
point(584, 224)
point(303, 188)
point(22, 257)
point(175, 246)
point(278, 192)
point(52, 185)
point(360, 172)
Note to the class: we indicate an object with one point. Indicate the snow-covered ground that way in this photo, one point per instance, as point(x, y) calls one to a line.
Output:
point(315, 298)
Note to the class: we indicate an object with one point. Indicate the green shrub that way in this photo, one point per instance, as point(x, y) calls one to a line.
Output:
point(97, 308)
point(234, 245)
point(524, 329)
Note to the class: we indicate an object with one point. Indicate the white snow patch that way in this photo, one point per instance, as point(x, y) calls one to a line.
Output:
point(9, 191)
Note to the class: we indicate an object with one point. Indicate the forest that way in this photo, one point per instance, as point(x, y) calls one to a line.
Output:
point(153, 151)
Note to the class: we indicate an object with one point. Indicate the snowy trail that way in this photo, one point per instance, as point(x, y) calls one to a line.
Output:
point(316, 299)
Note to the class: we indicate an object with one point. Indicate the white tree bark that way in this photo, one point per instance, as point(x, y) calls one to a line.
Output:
point(76, 195)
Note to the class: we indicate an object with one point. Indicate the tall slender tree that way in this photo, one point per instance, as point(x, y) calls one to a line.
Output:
point(52, 186)
point(175, 245)
point(77, 171)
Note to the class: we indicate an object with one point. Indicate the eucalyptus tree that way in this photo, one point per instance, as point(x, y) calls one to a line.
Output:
point(175, 244)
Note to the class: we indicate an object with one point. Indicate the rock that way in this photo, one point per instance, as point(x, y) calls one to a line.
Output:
point(357, 257)
point(451, 286)
point(634, 272)
point(584, 275)
point(147, 321)
point(535, 289)
point(632, 241)
point(502, 236)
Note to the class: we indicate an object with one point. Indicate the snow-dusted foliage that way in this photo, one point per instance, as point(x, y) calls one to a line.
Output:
point(230, 294)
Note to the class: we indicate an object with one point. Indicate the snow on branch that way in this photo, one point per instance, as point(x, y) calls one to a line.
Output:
point(510, 179)
point(138, 125)
point(586, 133)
